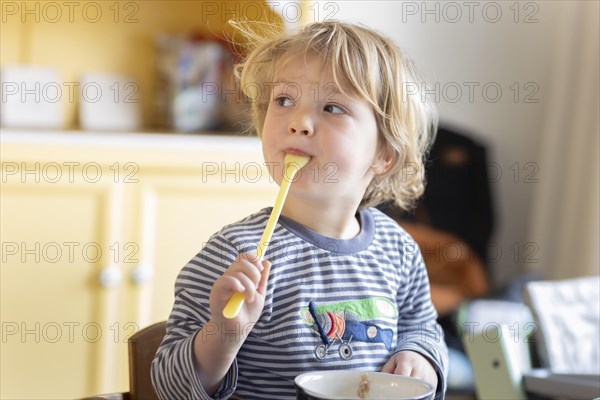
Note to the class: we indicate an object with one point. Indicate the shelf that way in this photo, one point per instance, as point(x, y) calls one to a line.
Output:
point(156, 148)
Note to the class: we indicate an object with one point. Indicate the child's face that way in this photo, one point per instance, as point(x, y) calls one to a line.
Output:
point(307, 115)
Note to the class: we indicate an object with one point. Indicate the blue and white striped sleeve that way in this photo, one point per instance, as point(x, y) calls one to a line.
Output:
point(418, 329)
point(174, 372)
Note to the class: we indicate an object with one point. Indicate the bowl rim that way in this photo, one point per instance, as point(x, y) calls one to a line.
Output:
point(427, 395)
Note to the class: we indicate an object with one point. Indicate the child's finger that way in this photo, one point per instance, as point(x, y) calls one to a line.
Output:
point(251, 258)
point(232, 284)
point(389, 366)
point(403, 369)
point(400, 365)
point(252, 271)
point(262, 286)
point(248, 284)
point(247, 269)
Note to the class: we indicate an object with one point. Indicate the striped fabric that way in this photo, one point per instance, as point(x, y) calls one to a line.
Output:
point(369, 294)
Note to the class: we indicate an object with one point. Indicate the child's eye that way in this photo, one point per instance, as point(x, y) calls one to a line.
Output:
point(334, 109)
point(284, 101)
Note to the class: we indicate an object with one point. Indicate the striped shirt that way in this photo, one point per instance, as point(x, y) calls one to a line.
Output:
point(330, 304)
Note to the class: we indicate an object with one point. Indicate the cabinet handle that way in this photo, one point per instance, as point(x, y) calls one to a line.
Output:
point(142, 274)
point(110, 276)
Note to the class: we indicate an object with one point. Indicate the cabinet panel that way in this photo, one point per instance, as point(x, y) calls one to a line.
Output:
point(55, 240)
point(177, 217)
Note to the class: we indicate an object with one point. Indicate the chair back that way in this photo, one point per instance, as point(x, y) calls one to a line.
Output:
point(142, 348)
point(567, 314)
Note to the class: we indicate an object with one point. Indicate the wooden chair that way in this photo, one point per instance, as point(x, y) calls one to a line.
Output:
point(142, 348)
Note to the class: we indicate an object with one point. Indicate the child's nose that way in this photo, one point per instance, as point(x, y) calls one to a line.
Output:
point(302, 124)
point(301, 131)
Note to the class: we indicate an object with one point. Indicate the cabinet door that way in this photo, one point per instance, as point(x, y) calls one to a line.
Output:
point(177, 216)
point(56, 317)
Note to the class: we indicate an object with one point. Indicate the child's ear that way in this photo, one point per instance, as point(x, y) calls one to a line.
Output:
point(383, 161)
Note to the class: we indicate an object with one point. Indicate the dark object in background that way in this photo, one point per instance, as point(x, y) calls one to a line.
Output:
point(457, 200)
point(457, 196)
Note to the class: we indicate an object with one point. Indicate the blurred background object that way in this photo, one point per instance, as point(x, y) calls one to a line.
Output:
point(195, 89)
point(454, 220)
point(30, 97)
point(553, 352)
point(109, 102)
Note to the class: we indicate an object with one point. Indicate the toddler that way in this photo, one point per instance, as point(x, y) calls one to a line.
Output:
point(342, 285)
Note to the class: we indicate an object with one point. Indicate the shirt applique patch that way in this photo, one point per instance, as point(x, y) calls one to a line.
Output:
point(348, 321)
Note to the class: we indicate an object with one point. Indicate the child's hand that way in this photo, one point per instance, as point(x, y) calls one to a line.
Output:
point(410, 363)
point(245, 275)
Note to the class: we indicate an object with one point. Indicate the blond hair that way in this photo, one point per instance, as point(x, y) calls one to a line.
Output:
point(364, 65)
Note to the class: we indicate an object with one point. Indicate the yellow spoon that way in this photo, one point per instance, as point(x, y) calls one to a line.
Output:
point(293, 164)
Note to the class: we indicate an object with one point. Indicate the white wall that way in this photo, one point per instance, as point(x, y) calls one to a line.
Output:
point(479, 45)
point(566, 216)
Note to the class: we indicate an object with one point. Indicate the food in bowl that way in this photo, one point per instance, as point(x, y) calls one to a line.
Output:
point(363, 385)
point(347, 385)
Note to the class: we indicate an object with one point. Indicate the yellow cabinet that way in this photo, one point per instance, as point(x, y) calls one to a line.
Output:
point(94, 230)
point(53, 310)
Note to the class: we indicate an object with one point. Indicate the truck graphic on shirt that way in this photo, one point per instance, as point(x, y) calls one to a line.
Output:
point(345, 322)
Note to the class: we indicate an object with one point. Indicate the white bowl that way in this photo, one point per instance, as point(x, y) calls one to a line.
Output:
point(344, 384)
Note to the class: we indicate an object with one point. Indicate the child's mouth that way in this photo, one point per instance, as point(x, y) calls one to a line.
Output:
point(298, 152)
